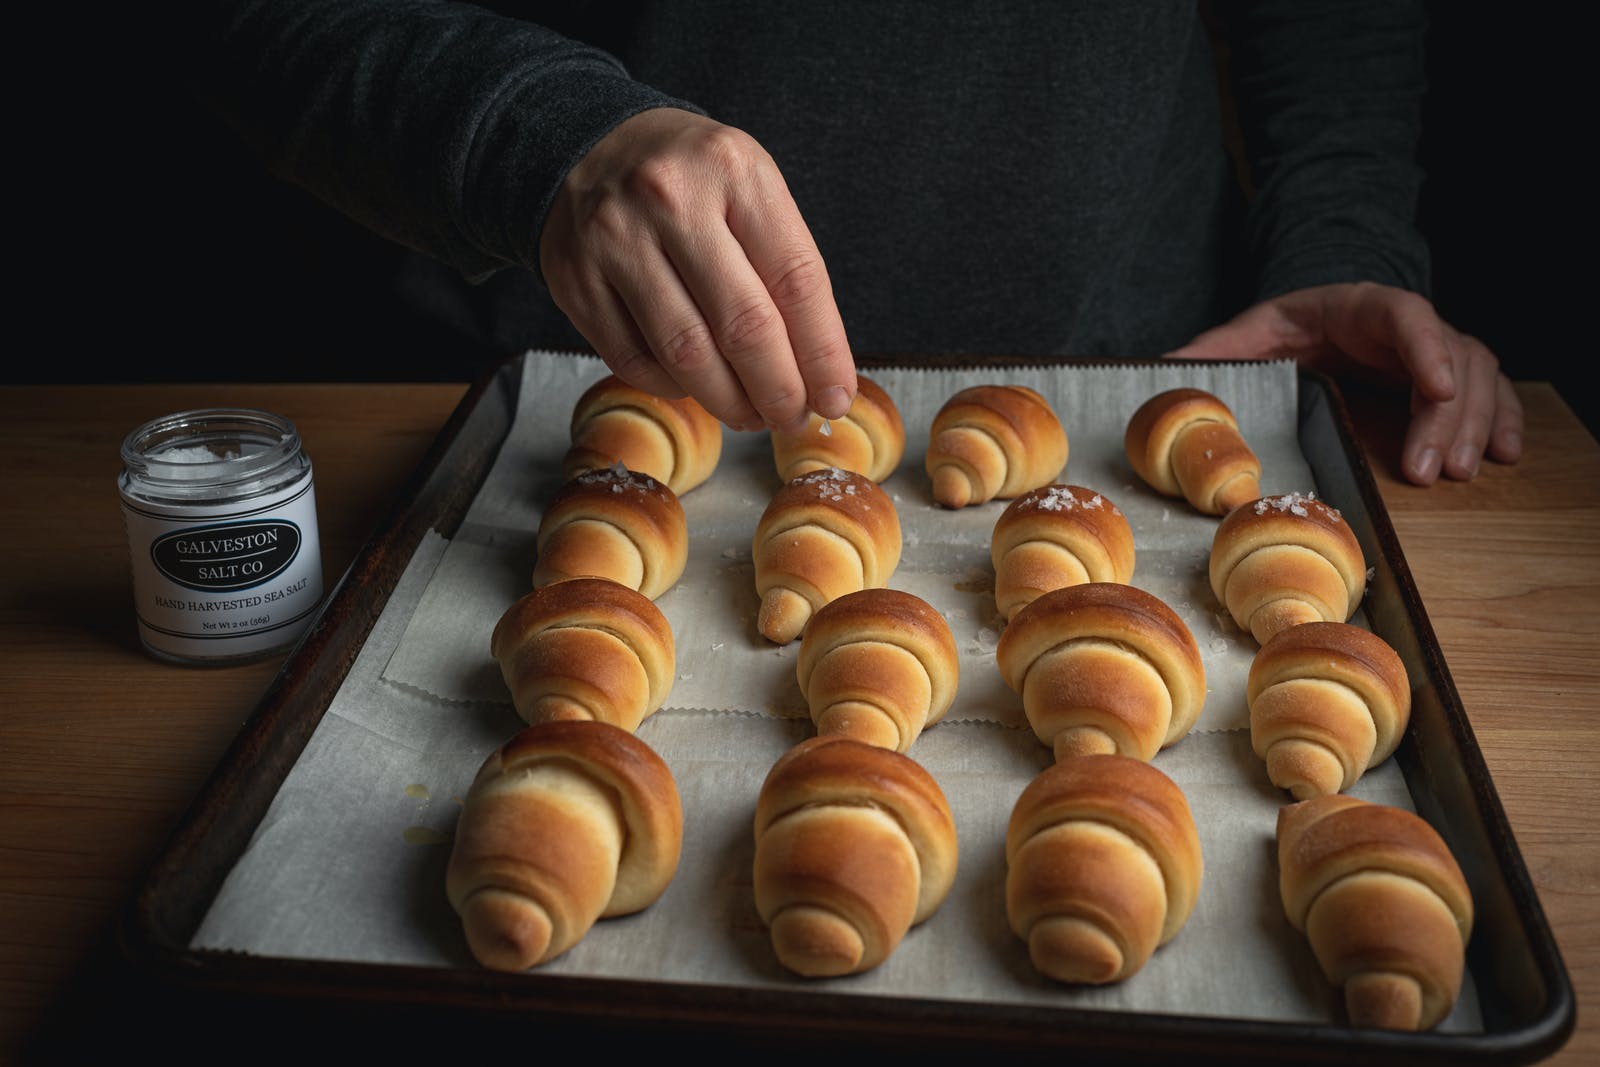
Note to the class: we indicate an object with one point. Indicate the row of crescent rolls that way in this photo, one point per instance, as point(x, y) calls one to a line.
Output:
point(855, 842)
point(1103, 858)
point(1374, 888)
point(575, 818)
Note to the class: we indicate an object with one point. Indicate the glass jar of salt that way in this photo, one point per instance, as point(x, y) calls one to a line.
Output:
point(222, 532)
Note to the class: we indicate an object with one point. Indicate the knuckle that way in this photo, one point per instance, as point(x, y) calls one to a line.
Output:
point(609, 220)
point(662, 181)
point(800, 280)
point(688, 349)
point(782, 402)
point(629, 363)
point(730, 148)
point(749, 326)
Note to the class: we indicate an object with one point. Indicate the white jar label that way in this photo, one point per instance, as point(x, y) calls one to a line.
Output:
point(224, 581)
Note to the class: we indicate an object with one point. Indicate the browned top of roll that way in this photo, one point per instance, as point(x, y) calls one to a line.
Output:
point(1326, 838)
point(645, 789)
point(1287, 518)
point(1027, 415)
point(695, 433)
point(1024, 408)
point(826, 770)
point(1075, 506)
point(1149, 434)
point(1128, 795)
point(890, 616)
point(1112, 611)
point(1335, 650)
point(633, 501)
point(811, 498)
point(581, 601)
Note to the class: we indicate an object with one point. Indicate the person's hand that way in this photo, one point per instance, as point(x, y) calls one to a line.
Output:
point(675, 248)
point(1462, 407)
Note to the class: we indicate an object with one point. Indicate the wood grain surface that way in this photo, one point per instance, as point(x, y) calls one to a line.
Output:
point(102, 748)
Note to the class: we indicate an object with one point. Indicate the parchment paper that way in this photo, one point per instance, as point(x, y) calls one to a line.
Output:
point(349, 861)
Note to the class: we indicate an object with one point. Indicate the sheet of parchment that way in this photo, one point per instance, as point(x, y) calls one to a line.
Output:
point(349, 861)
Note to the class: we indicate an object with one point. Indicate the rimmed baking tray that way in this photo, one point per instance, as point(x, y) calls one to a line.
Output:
point(1524, 993)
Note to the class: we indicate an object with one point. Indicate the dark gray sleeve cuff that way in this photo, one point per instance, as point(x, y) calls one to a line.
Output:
point(441, 126)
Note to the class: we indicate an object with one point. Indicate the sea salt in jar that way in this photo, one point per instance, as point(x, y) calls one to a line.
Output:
point(222, 531)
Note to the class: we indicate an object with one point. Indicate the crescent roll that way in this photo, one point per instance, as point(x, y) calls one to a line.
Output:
point(1383, 903)
point(993, 442)
point(565, 824)
point(1103, 866)
point(823, 535)
point(676, 442)
point(585, 648)
point(1056, 536)
point(1103, 668)
point(617, 524)
point(855, 844)
point(878, 665)
point(1286, 560)
point(1186, 443)
point(870, 439)
point(1328, 701)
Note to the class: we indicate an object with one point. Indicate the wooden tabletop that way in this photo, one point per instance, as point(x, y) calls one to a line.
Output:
point(102, 748)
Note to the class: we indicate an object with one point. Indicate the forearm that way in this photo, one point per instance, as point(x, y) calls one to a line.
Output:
point(441, 126)
point(1329, 99)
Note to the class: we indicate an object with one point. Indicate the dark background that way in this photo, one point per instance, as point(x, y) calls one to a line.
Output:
point(174, 256)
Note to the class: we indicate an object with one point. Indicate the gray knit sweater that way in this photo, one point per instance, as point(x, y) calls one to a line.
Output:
point(981, 177)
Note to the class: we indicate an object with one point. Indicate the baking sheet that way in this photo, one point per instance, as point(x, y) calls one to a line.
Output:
point(348, 862)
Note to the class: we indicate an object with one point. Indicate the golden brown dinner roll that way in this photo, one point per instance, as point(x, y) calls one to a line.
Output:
point(1103, 667)
point(870, 439)
point(1285, 560)
point(1327, 701)
point(878, 665)
point(1103, 866)
point(1186, 443)
point(1383, 903)
point(615, 524)
point(585, 648)
point(676, 442)
point(1055, 536)
point(566, 823)
point(823, 535)
point(855, 844)
point(993, 442)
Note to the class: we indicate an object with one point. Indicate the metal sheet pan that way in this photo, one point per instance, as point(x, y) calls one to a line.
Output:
point(1525, 994)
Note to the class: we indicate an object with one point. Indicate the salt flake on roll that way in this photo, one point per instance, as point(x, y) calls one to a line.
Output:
point(1284, 560)
point(823, 535)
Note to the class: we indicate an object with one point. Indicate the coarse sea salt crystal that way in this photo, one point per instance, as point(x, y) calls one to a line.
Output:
point(826, 429)
point(192, 454)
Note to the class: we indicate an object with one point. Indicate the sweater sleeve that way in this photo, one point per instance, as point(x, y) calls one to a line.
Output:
point(1329, 97)
point(441, 126)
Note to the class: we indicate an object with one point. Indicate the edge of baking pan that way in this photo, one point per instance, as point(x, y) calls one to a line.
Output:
point(1530, 1007)
point(1527, 996)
